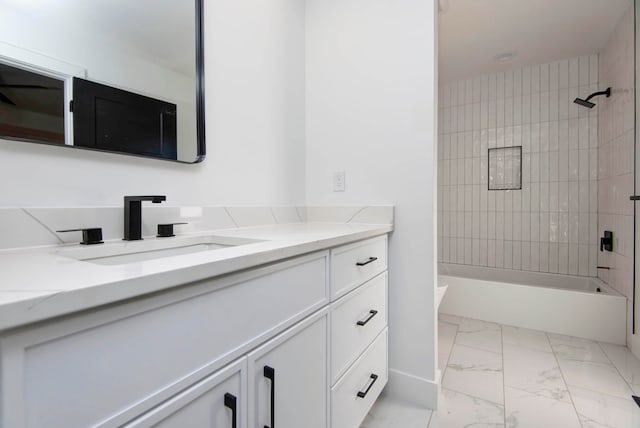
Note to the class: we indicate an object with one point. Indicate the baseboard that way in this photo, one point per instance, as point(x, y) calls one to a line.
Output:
point(413, 389)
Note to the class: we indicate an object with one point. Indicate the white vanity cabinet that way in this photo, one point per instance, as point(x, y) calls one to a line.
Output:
point(288, 378)
point(218, 401)
point(245, 350)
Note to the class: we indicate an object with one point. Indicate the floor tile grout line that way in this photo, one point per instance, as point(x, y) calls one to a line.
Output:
point(466, 394)
point(566, 384)
point(430, 419)
point(617, 370)
point(504, 388)
point(444, 369)
point(446, 365)
point(475, 348)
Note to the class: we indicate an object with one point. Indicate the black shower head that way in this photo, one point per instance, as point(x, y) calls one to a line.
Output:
point(584, 103)
point(587, 103)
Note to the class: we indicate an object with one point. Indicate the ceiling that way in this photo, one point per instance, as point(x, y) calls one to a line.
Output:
point(472, 33)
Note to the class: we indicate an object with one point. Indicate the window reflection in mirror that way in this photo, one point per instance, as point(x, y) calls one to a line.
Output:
point(31, 106)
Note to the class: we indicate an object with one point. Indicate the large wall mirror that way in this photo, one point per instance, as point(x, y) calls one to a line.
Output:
point(123, 76)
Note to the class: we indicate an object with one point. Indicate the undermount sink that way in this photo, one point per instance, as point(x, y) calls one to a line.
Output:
point(120, 253)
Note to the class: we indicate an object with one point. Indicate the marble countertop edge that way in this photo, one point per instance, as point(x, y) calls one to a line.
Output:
point(64, 286)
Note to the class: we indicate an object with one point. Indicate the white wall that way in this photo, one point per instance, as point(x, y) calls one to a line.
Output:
point(255, 127)
point(371, 91)
point(550, 225)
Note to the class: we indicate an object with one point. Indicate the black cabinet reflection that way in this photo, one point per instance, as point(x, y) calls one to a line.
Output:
point(106, 118)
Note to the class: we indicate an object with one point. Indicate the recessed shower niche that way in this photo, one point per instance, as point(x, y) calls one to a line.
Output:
point(505, 168)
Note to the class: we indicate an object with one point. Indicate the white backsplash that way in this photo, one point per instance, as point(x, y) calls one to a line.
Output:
point(27, 227)
point(551, 224)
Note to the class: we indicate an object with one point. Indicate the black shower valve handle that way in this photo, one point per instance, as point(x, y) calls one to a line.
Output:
point(606, 242)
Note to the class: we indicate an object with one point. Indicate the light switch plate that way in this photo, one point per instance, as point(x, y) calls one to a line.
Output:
point(339, 181)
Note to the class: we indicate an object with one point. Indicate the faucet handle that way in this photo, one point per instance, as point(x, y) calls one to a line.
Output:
point(90, 236)
point(166, 230)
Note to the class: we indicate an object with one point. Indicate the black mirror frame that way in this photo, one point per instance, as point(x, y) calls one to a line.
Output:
point(200, 101)
point(200, 116)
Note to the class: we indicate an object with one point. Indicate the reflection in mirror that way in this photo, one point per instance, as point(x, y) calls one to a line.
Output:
point(31, 106)
point(109, 75)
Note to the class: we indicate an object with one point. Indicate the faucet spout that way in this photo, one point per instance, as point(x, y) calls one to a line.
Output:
point(133, 215)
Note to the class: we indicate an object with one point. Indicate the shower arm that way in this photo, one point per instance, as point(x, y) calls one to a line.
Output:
point(606, 92)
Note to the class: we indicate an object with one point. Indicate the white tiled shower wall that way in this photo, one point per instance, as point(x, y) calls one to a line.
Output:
point(616, 156)
point(551, 224)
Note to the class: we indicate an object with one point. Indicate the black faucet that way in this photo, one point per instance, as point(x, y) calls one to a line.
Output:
point(133, 215)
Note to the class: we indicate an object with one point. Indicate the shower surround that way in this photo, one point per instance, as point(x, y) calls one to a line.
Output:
point(616, 155)
point(551, 225)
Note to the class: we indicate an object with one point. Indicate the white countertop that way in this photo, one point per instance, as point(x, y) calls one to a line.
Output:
point(40, 283)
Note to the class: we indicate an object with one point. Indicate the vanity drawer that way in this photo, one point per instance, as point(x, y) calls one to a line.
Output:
point(356, 320)
point(119, 362)
point(353, 264)
point(355, 393)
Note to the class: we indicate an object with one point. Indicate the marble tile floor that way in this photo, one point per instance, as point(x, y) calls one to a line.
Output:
point(500, 376)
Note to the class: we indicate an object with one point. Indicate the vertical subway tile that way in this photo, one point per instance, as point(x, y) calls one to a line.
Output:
point(517, 255)
point(574, 252)
point(535, 79)
point(544, 257)
point(593, 69)
point(484, 88)
point(583, 70)
point(483, 252)
point(468, 91)
point(462, 88)
point(583, 260)
point(517, 83)
point(526, 255)
point(563, 258)
point(574, 78)
point(553, 258)
point(500, 253)
point(544, 78)
point(535, 257)
point(508, 254)
point(554, 79)
point(491, 253)
point(508, 84)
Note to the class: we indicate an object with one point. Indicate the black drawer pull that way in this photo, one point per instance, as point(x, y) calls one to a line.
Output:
point(270, 373)
point(372, 313)
point(231, 402)
point(370, 260)
point(373, 379)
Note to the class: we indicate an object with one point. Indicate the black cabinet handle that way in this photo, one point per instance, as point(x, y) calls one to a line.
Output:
point(370, 260)
point(231, 402)
point(270, 373)
point(373, 379)
point(634, 198)
point(372, 313)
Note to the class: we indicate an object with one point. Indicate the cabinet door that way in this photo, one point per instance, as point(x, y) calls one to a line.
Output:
point(288, 378)
point(218, 401)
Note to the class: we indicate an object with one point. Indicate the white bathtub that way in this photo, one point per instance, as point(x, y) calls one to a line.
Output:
point(563, 304)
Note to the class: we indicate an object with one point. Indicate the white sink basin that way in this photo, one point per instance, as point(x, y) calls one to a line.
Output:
point(123, 252)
